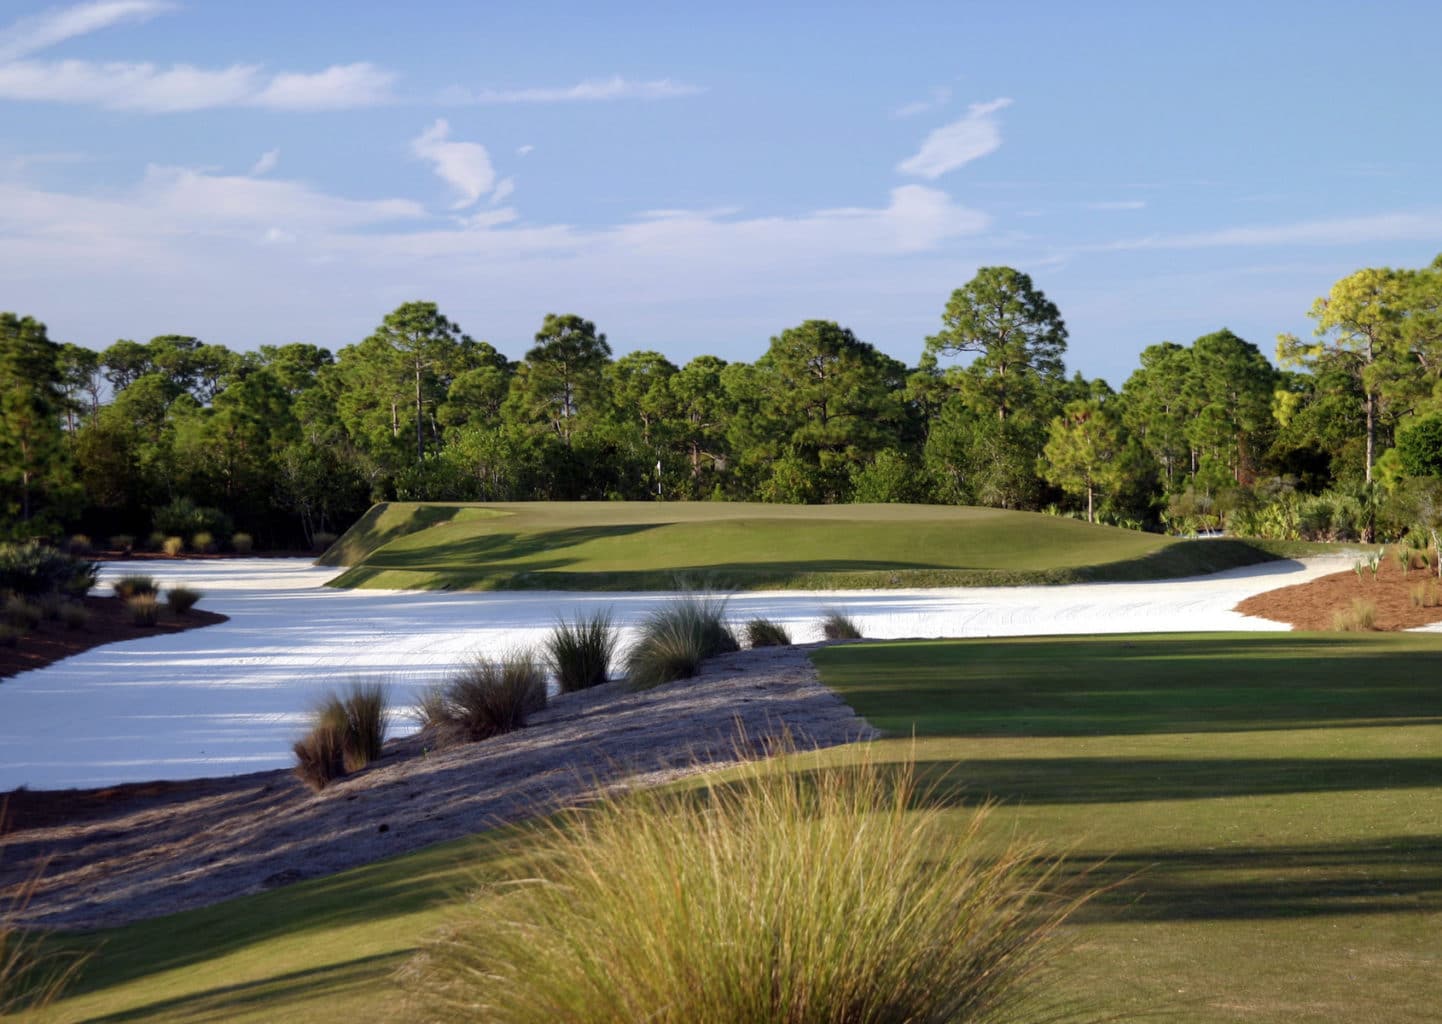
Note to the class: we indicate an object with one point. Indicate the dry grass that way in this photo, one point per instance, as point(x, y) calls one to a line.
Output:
point(765, 633)
point(778, 896)
point(676, 638)
point(144, 609)
point(579, 653)
point(837, 625)
point(134, 585)
point(486, 698)
point(347, 733)
point(1359, 617)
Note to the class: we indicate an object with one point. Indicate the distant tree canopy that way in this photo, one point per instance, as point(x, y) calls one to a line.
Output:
point(290, 441)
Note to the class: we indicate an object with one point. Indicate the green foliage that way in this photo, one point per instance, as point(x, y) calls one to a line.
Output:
point(765, 633)
point(181, 599)
point(135, 585)
point(144, 609)
point(837, 625)
point(772, 896)
point(677, 637)
point(21, 613)
point(1419, 446)
point(33, 569)
point(1086, 452)
point(579, 653)
point(486, 698)
point(184, 518)
point(74, 616)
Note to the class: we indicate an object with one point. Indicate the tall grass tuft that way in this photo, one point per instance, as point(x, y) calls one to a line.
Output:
point(123, 543)
point(348, 732)
point(181, 599)
point(1359, 617)
point(30, 977)
point(79, 545)
point(579, 653)
point(840, 895)
point(172, 546)
point(204, 542)
point(133, 586)
point(9, 635)
point(677, 637)
point(243, 543)
point(486, 698)
point(144, 609)
point(20, 613)
point(75, 616)
point(765, 633)
point(837, 625)
point(1426, 595)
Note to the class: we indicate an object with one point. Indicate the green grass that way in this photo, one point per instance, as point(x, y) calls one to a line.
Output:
point(1269, 805)
point(647, 545)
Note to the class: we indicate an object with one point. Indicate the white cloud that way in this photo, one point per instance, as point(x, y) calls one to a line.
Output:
point(49, 28)
point(340, 87)
point(267, 163)
point(1408, 226)
point(591, 90)
point(465, 166)
point(938, 99)
point(503, 191)
point(525, 150)
point(960, 142)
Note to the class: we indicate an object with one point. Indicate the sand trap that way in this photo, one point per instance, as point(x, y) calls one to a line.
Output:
point(232, 698)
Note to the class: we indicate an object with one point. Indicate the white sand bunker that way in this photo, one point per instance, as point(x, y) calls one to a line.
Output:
point(232, 698)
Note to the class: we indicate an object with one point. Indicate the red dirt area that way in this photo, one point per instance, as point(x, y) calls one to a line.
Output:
point(1312, 606)
point(109, 622)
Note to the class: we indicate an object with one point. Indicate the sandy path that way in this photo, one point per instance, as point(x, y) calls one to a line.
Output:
point(231, 698)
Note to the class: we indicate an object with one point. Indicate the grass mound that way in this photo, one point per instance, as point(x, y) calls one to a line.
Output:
point(579, 653)
point(676, 638)
point(778, 896)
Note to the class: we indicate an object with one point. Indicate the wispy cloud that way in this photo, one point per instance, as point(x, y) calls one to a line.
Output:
point(1416, 225)
point(339, 87)
point(589, 91)
point(938, 99)
point(960, 142)
point(267, 163)
point(49, 28)
point(465, 166)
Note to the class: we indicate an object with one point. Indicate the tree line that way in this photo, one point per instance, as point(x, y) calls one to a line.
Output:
point(1342, 438)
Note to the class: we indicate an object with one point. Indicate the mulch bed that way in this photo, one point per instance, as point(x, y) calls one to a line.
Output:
point(1311, 606)
point(109, 622)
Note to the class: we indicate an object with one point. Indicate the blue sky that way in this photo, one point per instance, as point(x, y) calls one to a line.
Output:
point(696, 178)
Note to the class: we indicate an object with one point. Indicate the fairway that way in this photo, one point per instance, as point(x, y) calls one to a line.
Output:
point(746, 546)
point(1268, 808)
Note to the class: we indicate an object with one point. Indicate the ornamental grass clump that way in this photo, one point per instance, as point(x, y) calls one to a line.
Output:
point(765, 633)
point(774, 894)
point(20, 613)
point(579, 653)
point(181, 599)
point(144, 609)
point(1426, 595)
point(172, 546)
point(837, 625)
point(133, 586)
point(242, 543)
point(74, 616)
point(486, 698)
point(1359, 617)
point(677, 637)
point(347, 733)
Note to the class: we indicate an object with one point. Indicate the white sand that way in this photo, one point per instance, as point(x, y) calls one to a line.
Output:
point(232, 698)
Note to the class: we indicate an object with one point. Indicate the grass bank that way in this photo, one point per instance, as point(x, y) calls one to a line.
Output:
point(1268, 806)
point(744, 546)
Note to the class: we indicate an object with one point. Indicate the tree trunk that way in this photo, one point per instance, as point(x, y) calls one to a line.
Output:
point(1090, 517)
point(420, 420)
point(1371, 407)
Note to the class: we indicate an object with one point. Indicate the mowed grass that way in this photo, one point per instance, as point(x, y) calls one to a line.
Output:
point(648, 545)
point(1268, 807)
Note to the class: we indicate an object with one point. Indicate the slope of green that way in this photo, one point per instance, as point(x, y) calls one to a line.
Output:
point(647, 546)
point(1267, 806)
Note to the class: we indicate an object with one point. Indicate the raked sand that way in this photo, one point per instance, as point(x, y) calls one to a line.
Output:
point(231, 698)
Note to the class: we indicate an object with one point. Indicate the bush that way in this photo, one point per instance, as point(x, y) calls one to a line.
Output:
point(347, 733)
point(50, 605)
point(781, 896)
point(181, 599)
point(183, 517)
point(156, 541)
point(677, 637)
point(1360, 617)
point(203, 542)
point(74, 616)
point(134, 585)
point(9, 635)
point(321, 540)
point(765, 633)
point(78, 545)
point(82, 580)
point(122, 542)
point(486, 698)
point(172, 546)
point(837, 625)
point(243, 543)
point(31, 569)
point(21, 614)
point(579, 653)
point(144, 609)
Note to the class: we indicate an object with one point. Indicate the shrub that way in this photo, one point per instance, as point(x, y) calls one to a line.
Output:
point(78, 545)
point(487, 698)
point(1360, 617)
point(243, 543)
point(765, 633)
point(322, 540)
point(21, 614)
point(347, 733)
point(31, 569)
point(50, 605)
point(183, 517)
point(172, 546)
point(181, 599)
point(122, 542)
point(203, 542)
point(675, 638)
point(144, 609)
point(83, 578)
point(9, 635)
point(837, 625)
point(155, 541)
point(74, 616)
point(579, 653)
point(781, 896)
point(134, 585)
